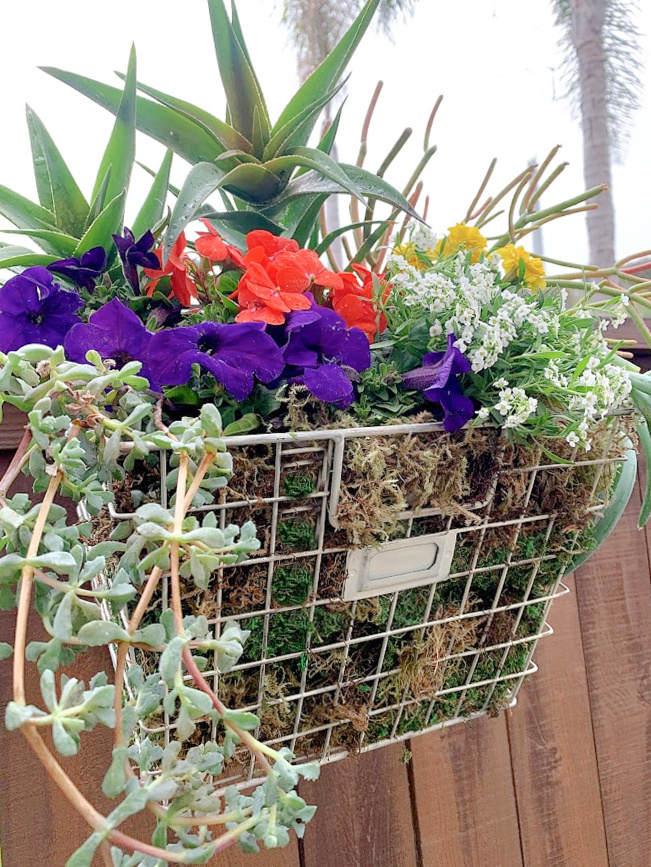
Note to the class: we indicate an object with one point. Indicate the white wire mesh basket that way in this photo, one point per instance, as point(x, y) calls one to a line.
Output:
point(354, 646)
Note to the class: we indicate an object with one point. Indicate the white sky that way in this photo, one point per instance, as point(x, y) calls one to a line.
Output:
point(495, 61)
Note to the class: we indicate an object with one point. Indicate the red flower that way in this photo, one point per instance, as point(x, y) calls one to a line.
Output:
point(299, 271)
point(183, 287)
point(270, 244)
point(263, 300)
point(211, 246)
point(358, 305)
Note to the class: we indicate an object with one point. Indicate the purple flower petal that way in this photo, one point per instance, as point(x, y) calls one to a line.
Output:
point(234, 354)
point(457, 408)
point(319, 346)
point(329, 383)
point(34, 309)
point(82, 271)
point(437, 368)
point(136, 253)
point(115, 332)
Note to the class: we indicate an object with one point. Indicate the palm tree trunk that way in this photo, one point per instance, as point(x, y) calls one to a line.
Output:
point(587, 37)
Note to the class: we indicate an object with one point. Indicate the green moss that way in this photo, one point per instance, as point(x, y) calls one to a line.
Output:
point(291, 584)
point(330, 626)
point(297, 534)
point(414, 718)
point(288, 632)
point(298, 485)
point(380, 726)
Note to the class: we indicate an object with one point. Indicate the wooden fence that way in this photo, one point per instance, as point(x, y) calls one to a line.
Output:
point(562, 779)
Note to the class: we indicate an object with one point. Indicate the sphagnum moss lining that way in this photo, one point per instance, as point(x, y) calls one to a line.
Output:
point(384, 477)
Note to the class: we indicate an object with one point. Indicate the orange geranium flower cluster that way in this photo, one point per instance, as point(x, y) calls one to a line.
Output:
point(358, 304)
point(277, 276)
point(182, 285)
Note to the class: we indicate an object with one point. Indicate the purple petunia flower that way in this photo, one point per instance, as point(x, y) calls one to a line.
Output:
point(115, 332)
point(135, 253)
point(34, 309)
point(437, 379)
point(82, 271)
point(233, 354)
point(319, 347)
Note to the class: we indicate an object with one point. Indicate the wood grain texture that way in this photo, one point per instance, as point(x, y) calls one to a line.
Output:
point(11, 429)
point(364, 816)
point(553, 754)
point(615, 614)
point(464, 797)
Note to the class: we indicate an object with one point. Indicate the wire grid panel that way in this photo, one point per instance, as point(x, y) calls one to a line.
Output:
point(328, 676)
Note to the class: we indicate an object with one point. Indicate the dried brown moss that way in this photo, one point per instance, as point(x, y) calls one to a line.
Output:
point(385, 476)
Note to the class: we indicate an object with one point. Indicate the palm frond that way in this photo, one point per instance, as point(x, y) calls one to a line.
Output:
point(621, 45)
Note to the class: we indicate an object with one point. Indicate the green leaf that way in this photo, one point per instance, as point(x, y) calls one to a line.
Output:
point(291, 134)
point(170, 659)
point(312, 158)
point(115, 778)
point(253, 183)
point(6, 650)
point(100, 632)
point(97, 204)
point(328, 73)
point(619, 498)
point(121, 149)
point(24, 213)
point(369, 185)
point(11, 255)
point(63, 245)
point(57, 189)
point(171, 129)
point(108, 223)
point(242, 719)
point(246, 424)
point(202, 180)
point(235, 225)
point(243, 92)
point(226, 138)
point(83, 857)
point(153, 208)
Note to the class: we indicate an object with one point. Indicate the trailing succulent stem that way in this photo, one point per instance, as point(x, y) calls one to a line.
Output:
point(79, 417)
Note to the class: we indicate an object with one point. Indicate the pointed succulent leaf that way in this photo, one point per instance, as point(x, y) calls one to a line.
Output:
point(23, 213)
point(98, 201)
point(171, 129)
point(107, 224)
point(312, 158)
point(153, 208)
point(57, 189)
point(291, 134)
point(202, 180)
point(226, 138)
point(253, 183)
point(62, 245)
point(243, 92)
point(121, 149)
point(369, 184)
point(326, 76)
point(11, 255)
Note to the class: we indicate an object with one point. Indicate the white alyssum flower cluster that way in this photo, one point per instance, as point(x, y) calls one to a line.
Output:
point(514, 405)
point(468, 300)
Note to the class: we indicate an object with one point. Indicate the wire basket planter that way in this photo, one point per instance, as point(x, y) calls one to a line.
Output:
point(353, 647)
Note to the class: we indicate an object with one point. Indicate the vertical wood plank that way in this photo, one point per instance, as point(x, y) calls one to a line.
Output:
point(464, 797)
point(615, 614)
point(553, 753)
point(364, 816)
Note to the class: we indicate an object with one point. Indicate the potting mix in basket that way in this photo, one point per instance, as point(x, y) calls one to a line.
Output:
point(325, 503)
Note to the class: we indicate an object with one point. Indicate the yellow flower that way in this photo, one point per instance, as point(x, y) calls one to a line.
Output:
point(413, 256)
point(462, 237)
point(534, 270)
